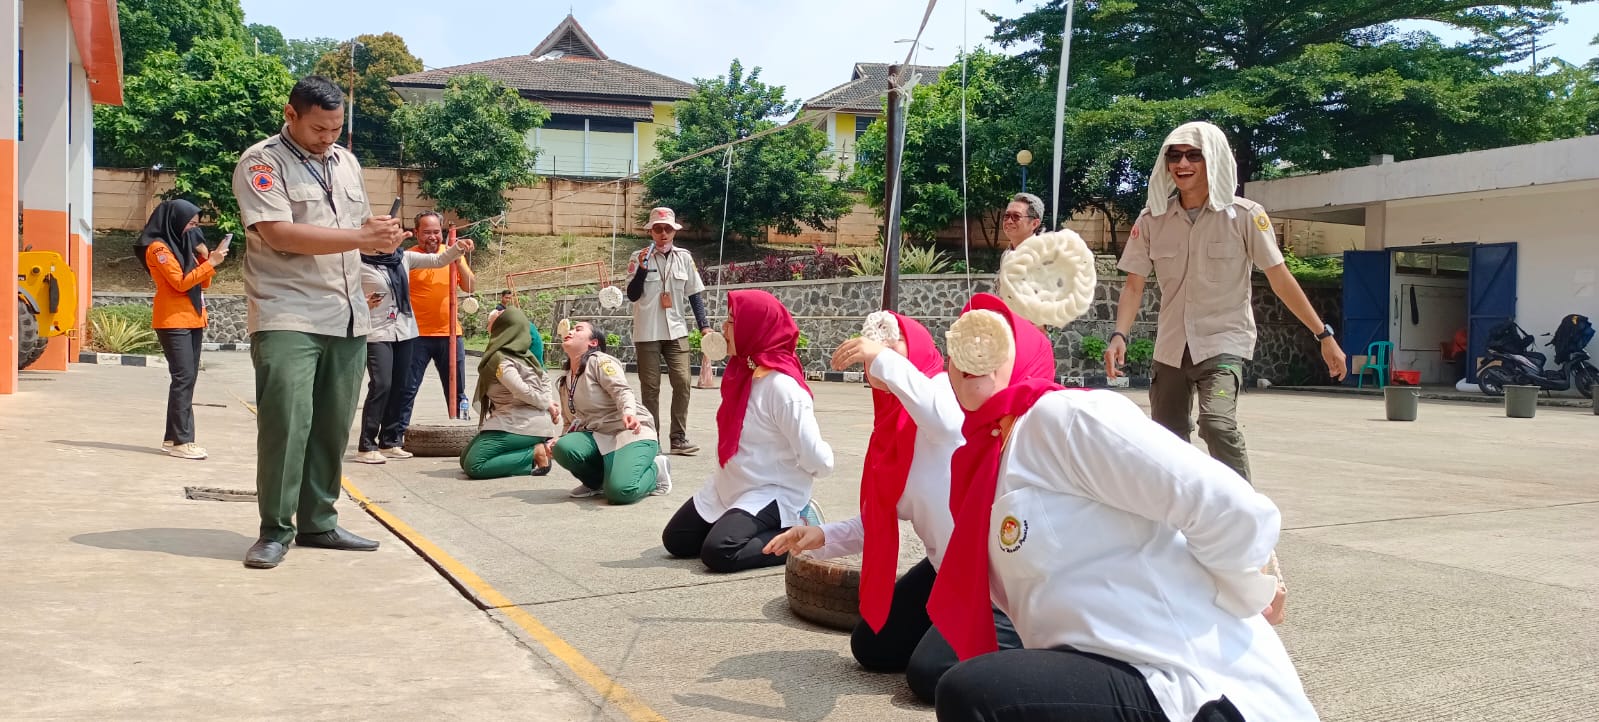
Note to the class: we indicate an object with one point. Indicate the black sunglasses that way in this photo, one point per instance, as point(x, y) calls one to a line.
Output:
point(1193, 156)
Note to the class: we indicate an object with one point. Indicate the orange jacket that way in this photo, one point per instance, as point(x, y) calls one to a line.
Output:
point(173, 309)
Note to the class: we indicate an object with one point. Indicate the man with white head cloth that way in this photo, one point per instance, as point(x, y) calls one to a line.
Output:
point(1201, 240)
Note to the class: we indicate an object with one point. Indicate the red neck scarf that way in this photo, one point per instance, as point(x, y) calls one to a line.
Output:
point(888, 464)
point(959, 604)
point(764, 334)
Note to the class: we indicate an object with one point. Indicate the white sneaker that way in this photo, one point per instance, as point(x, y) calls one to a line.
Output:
point(166, 447)
point(583, 492)
point(370, 457)
point(186, 451)
point(663, 476)
point(396, 453)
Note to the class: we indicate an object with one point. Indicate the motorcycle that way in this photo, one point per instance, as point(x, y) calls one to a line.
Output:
point(1510, 361)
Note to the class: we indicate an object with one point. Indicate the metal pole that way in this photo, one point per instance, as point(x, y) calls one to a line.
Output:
point(449, 330)
point(1060, 114)
point(1024, 179)
point(351, 143)
point(891, 230)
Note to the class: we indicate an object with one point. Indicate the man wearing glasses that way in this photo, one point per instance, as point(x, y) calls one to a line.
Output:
point(1201, 241)
point(1023, 215)
point(663, 280)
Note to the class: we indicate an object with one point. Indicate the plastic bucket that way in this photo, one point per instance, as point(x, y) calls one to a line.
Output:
point(1401, 402)
point(1521, 402)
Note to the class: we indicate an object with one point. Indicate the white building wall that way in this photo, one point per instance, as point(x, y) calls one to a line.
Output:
point(1556, 229)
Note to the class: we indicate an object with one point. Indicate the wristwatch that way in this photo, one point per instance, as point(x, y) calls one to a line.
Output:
point(1114, 334)
point(1326, 333)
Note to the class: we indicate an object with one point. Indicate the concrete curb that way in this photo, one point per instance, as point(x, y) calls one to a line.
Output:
point(119, 359)
point(224, 347)
point(1543, 400)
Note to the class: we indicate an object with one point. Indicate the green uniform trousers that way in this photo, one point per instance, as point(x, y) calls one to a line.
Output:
point(1217, 382)
point(498, 454)
point(306, 389)
point(625, 475)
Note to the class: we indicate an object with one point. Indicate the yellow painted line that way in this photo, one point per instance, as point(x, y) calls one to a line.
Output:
point(613, 693)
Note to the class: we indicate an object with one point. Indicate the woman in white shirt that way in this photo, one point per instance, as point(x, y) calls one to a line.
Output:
point(517, 409)
point(386, 280)
point(917, 426)
point(1130, 561)
point(769, 448)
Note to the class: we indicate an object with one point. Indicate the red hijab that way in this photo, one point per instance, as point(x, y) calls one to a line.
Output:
point(959, 604)
point(888, 464)
point(764, 334)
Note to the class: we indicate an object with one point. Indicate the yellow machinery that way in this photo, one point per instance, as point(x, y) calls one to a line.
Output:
point(47, 302)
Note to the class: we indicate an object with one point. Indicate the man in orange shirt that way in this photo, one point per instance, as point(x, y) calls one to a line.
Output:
point(430, 300)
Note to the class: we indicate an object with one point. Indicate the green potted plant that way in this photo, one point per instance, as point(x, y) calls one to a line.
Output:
point(1091, 349)
point(1140, 361)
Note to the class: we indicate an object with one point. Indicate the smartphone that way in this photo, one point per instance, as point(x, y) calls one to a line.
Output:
point(223, 246)
point(394, 210)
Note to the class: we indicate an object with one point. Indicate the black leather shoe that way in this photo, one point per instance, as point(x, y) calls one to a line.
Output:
point(541, 471)
point(265, 554)
point(336, 538)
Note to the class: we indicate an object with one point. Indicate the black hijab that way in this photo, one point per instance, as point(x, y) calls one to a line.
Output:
point(393, 264)
point(166, 225)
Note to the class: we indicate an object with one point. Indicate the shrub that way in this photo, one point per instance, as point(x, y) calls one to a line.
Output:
point(1140, 354)
point(1321, 268)
point(913, 261)
point(122, 329)
point(772, 268)
point(1092, 348)
point(804, 341)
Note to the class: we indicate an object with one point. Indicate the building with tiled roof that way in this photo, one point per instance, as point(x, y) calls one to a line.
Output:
point(604, 113)
point(852, 106)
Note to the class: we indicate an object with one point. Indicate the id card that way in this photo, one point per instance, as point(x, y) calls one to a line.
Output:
point(666, 299)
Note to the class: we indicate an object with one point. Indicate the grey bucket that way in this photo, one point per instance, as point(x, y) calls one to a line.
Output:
point(1401, 402)
point(1521, 402)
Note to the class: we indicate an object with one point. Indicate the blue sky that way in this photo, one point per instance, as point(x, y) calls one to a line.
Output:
point(806, 46)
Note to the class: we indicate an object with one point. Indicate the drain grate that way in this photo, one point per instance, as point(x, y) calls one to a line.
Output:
point(208, 493)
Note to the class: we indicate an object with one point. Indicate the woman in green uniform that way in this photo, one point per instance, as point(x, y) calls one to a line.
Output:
point(517, 410)
point(610, 443)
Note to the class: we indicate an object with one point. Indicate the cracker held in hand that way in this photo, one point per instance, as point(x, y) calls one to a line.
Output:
point(611, 297)
point(881, 327)
point(1049, 279)
point(714, 346)
point(980, 342)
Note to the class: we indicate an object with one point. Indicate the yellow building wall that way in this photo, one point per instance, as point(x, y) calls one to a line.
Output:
point(665, 117)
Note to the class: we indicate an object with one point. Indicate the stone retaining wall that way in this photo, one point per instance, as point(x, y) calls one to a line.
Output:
point(227, 313)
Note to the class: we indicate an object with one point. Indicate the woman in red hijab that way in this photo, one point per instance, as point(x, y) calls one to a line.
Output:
point(1129, 560)
point(769, 449)
point(917, 426)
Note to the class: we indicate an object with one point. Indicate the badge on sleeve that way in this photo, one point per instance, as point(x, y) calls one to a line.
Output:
point(162, 258)
point(610, 369)
point(261, 181)
point(1012, 533)
point(1262, 222)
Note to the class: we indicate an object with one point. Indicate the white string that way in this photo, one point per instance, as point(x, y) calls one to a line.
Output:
point(966, 222)
point(614, 197)
point(721, 244)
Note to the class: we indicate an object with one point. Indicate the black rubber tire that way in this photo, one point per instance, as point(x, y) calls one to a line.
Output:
point(439, 439)
point(1492, 380)
point(30, 345)
point(824, 591)
point(1585, 377)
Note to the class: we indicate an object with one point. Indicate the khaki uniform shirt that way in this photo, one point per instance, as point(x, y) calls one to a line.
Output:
point(519, 401)
point(597, 404)
point(673, 272)
point(318, 294)
point(1203, 267)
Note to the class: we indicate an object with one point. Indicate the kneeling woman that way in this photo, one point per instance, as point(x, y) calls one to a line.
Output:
point(1129, 560)
point(517, 410)
point(769, 449)
point(610, 444)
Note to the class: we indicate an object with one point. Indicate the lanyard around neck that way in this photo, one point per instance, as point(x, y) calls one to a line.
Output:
point(326, 183)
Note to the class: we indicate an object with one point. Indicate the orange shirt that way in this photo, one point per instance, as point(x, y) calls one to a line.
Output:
point(430, 301)
point(173, 309)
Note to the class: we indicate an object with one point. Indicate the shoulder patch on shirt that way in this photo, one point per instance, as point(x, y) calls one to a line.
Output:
point(609, 368)
point(162, 258)
point(260, 168)
point(1262, 222)
point(261, 181)
point(1012, 533)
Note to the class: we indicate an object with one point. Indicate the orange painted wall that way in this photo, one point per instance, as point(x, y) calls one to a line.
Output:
point(8, 266)
point(47, 231)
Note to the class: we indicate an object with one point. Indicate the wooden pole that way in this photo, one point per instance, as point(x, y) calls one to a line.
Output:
point(891, 229)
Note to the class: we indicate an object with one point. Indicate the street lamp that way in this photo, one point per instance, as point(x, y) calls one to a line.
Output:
point(1023, 157)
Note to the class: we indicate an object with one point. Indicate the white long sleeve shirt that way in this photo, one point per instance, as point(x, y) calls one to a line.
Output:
point(388, 324)
point(925, 503)
point(1113, 536)
point(780, 454)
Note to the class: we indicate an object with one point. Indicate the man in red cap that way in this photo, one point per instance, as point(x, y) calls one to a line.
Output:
point(663, 281)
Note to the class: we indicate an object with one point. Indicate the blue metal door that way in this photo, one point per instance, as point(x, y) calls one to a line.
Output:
point(1365, 302)
point(1491, 297)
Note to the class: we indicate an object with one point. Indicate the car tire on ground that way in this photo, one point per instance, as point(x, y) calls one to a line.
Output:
point(439, 439)
point(30, 345)
point(823, 591)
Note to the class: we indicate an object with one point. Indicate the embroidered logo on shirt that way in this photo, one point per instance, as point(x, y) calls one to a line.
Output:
point(262, 182)
point(162, 258)
point(1262, 222)
point(610, 369)
point(260, 168)
point(1012, 533)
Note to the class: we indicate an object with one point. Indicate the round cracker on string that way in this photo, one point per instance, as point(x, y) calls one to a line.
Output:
point(980, 342)
point(714, 345)
point(881, 327)
point(1049, 279)
point(611, 297)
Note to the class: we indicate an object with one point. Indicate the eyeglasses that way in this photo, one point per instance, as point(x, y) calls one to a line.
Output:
point(1014, 216)
point(1177, 156)
point(660, 229)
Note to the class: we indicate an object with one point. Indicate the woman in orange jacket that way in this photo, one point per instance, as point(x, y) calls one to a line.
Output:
point(172, 249)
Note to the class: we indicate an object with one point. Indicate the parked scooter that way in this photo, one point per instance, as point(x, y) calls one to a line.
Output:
point(1511, 362)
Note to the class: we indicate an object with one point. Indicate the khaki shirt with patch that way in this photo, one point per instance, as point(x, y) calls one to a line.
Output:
point(519, 401)
point(652, 322)
point(1203, 267)
point(318, 294)
point(601, 398)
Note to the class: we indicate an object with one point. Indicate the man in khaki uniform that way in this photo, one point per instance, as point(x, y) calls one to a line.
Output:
point(663, 280)
point(306, 219)
point(1201, 241)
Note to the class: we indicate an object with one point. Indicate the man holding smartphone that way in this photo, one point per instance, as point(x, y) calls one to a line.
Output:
point(306, 218)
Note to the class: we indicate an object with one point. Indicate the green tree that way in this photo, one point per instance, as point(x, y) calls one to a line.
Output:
point(151, 26)
point(194, 114)
point(777, 179)
point(268, 39)
point(302, 54)
point(472, 145)
point(377, 58)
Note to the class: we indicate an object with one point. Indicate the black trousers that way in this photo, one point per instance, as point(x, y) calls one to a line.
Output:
point(730, 544)
point(437, 350)
point(1057, 685)
point(388, 369)
point(181, 346)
